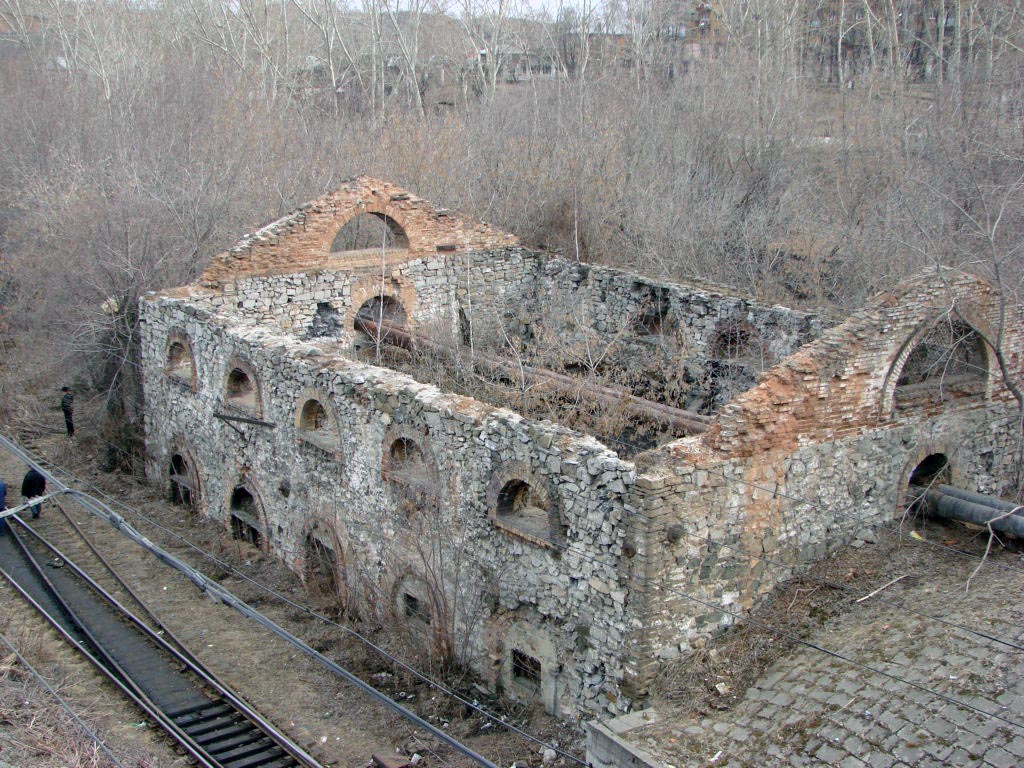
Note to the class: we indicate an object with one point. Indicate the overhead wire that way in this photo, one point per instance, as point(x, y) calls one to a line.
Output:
point(89, 732)
point(798, 640)
point(440, 687)
point(787, 635)
point(585, 555)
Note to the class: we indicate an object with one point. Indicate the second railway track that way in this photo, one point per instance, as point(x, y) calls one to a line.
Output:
point(204, 717)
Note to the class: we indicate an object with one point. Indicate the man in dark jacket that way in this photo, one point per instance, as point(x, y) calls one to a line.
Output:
point(3, 506)
point(67, 404)
point(32, 486)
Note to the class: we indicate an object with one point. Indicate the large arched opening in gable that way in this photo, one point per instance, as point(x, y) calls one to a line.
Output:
point(949, 362)
point(370, 231)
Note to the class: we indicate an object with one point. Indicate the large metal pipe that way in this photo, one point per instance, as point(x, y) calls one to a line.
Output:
point(977, 498)
point(955, 508)
point(687, 422)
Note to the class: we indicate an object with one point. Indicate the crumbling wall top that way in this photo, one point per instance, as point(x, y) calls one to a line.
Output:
point(844, 382)
point(302, 239)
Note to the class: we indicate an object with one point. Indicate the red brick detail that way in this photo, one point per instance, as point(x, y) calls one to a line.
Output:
point(842, 383)
point(302, 239)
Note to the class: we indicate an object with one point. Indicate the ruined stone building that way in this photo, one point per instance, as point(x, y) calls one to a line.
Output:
point(716, 443)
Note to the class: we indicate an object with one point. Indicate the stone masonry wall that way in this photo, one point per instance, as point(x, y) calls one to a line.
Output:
point(801, 465)
point(565, 604)
point(617, 303)
point(508, 542)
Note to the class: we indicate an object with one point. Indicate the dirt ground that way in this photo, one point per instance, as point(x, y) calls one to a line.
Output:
point(330, 718)
point(907, 553)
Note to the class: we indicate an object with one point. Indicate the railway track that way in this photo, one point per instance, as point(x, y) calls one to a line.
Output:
point(142, 657)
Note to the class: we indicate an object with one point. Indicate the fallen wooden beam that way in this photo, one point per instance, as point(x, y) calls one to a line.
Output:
point(687, 422)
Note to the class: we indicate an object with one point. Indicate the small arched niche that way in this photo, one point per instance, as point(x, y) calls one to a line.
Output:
point(949, 363)
point(409, 467)
point(245, 517)
point(370, 231)
point(179, 364)
point(315, 426)
point(183, 481)
point(241, 390)
point(655, 318)
point(377, 319)
point(933, 470)
point(525, 507)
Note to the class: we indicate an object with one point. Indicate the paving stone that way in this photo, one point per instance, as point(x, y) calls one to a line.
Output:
point(1000, 758)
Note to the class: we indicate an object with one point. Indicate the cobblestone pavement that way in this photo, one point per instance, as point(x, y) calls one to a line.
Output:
point(813, 709)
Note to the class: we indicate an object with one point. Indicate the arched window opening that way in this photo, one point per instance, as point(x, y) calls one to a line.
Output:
point(934, 469)
point(738, 342)
point(655, 316)
point(949, 363)
point(313, 417)
point(240, 391)
point(370, 231)
point(245, 517)
point(407, 464)
point(405, 452)
point(180, 365)
point(183, 490)
point(315, 426)
point(521, 507)
point(415, 608)
point(376, 318)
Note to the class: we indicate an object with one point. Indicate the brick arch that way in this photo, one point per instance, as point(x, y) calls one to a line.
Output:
point(947, 447)
point(901, 353)
point(329, 437)
point(525, 659)
point(421, 438)
point(509, 479)
point(366, 288)
point(244, 481)
point(320, 529)
point(393, 219)
point(302, 238)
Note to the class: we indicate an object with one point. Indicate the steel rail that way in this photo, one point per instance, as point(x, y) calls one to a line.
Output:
point(192, 664)
point(217, 592)
point(97, 654)
point(166, 632)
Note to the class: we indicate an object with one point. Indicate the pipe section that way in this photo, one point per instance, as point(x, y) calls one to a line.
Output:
point(953, 507)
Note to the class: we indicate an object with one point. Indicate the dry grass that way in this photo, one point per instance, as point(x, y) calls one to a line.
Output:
point(35, 729)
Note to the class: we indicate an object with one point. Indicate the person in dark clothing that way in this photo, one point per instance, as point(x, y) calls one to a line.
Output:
point(67, 404)
point(3, 506)
point(32, 486)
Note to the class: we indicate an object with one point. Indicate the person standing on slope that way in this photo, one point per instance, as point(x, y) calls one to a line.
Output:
point(67, 405)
